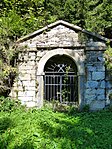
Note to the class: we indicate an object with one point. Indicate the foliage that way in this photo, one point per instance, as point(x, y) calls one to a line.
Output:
point(43, 128)
point(108, 56)
point(94, 15)
point(17, 18)
point(8, 26)
point(56, 106)
point(8, 104)
point(99, 15)
point(66, 91)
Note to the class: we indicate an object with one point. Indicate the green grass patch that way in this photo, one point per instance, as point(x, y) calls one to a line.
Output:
point(46, 129)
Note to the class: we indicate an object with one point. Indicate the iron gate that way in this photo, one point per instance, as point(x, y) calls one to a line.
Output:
point(61, 86)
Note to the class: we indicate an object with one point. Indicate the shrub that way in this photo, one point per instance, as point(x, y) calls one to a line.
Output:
point(8, 104)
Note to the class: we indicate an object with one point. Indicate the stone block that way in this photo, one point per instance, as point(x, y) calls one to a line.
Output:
point(13, 93)
point(101, 97)
point(26, 83)
point(90, 98)
point(30, 104)
point(97, 105)
point(100, 92)
point(91, 68)
point(26, 67)
point(30, 93)
point(22, 56)
point(92, 84)
point(102, 84)
point(21, 94)
point(29, 83)
point(25, 98)
point(89, 76)
point(40, 54)
point(90, 91)
point(26, 88)
point(26, 93)
point(30, 63)
point(91, 58)
point(27, 77)
point(100, 67)
point(98, 75)
point(31, 54)
point(27, 71)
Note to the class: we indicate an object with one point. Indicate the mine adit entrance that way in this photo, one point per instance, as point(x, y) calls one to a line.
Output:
point(61, 80)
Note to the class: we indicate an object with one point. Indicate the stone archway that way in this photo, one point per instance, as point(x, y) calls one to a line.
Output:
point(61, 80)
point(75, 57)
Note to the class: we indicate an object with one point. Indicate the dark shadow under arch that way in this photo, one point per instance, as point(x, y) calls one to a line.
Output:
point(63, 61)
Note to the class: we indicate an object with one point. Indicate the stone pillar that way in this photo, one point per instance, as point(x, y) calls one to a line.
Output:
point(26, 78)
point(95, 80)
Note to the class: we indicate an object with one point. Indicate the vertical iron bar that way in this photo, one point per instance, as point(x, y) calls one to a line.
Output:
point(57, 87)
point(75, 90)
point(54, 87)
point(60, 89)
point(45, 87)
point(71, 85)
point(48, 87)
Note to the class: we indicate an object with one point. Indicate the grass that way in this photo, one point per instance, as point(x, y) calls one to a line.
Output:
point(46, 129)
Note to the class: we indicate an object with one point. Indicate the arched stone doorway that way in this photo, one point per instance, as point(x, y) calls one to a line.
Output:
point(74, 58)
point(61, 80)
point(57, 40)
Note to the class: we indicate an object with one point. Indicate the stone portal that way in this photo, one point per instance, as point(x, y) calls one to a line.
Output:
point(43, 60)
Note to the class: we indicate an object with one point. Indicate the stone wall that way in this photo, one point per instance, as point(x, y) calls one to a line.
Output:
point(25, 87)
point(95, 80)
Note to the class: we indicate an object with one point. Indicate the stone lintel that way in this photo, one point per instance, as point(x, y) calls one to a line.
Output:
point(94, 48)
point(53, 47)
point(64, 47)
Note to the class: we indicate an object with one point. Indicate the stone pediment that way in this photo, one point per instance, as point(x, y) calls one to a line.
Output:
point(58, 34)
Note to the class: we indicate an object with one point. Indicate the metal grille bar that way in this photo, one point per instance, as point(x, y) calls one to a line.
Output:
point(62, 87)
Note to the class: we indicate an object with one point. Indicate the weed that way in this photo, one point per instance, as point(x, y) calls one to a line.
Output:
point(9, 104)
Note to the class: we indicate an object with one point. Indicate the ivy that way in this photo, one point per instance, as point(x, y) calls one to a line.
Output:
point(108, 56)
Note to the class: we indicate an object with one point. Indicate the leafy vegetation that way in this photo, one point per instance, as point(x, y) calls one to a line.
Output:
point(45, 129)
point(108, 56)
point(8, 104)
